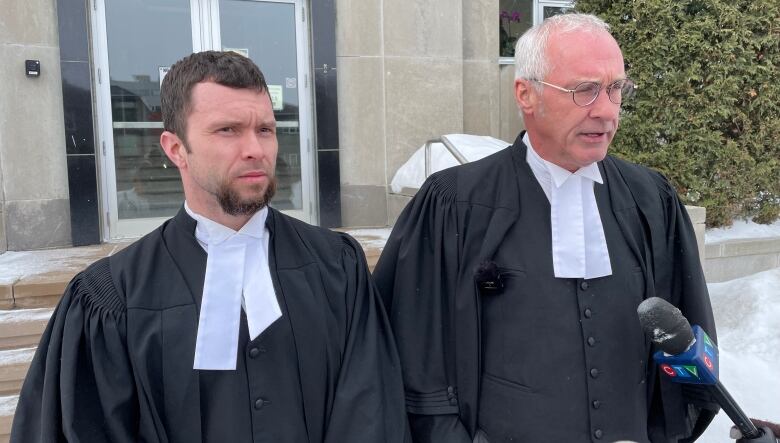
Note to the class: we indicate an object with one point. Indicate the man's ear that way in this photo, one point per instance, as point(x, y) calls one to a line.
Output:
point(526, 96)
point(174, 149)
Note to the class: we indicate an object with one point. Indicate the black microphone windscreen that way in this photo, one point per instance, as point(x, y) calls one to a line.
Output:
point(665, 325)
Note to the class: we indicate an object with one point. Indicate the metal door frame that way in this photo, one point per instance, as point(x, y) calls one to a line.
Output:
point(205, 35)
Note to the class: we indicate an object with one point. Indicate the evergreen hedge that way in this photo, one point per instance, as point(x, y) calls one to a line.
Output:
point(707, 111)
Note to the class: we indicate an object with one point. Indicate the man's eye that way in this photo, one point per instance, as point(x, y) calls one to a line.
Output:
point(226, 129)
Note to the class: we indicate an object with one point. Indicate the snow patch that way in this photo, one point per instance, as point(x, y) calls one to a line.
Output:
point(741, 230)
point(473, 147)
point(374, 238)
point(25, 315)
point(8, 405)
point(746, 314)
point(17, 265)
point(14, 356)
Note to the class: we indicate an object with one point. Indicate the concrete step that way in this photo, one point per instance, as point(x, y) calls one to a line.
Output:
point(37, 279)
point(7, 408)
point(13, 368)
point(20, 332)
point(40, 291)
point(22, 328)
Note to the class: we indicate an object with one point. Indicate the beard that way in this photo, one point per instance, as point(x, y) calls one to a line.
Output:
point(232, 204)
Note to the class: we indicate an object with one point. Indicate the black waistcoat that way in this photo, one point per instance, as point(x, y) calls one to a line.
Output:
point(563, 359)
point(261, 400)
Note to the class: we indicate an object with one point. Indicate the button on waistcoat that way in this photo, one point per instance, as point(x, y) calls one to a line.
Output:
point(261, 400)
point(563, 359)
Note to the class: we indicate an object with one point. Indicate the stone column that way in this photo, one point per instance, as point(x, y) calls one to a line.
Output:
point(34, 198)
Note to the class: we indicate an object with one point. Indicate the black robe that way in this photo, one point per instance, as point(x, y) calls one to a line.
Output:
point(457, 221)
point(115, 362)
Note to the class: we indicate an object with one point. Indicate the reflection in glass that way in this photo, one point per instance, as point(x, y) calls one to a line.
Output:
point(550, 11)
point(515, 17)
point(265, 32)
point(143, 37)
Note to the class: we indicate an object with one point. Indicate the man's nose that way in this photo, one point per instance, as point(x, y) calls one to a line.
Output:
point(253, 145)
point(603, 108)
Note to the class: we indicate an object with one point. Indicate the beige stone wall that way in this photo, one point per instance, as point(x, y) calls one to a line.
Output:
point(481, 92)
point(361, 92)
point(410, 71)
point(738, 258)
point(33, 169)
point(510, 122)
point(400, 68)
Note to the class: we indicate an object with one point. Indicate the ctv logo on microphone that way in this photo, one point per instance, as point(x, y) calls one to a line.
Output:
point(698, 365)
point(685, 371)
point(709, 353)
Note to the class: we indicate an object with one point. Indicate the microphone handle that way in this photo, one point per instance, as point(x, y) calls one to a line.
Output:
point(735, 413)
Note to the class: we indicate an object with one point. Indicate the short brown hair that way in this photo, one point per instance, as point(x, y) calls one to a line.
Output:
point(225, 68)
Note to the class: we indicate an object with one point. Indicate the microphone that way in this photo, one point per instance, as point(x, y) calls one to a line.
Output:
point(688, 355)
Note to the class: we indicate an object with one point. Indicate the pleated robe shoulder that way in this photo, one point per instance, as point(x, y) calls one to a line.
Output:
point(458, 220)
point(115, 362)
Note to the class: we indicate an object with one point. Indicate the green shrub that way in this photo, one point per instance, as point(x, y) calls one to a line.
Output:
point(707, 111)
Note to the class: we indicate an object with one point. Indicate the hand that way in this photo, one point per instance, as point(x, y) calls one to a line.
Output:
point(771, 433)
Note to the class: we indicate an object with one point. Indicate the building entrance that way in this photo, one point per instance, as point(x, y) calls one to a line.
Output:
point(136, 41)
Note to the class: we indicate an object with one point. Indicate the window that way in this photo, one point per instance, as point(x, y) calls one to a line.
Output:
point(515, 17)
point(549, 8)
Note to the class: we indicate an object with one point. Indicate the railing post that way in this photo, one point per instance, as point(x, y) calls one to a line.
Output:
point(447, 144)
point(428, 157)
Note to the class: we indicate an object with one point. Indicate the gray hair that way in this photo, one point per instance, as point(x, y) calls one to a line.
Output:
point(531, 48)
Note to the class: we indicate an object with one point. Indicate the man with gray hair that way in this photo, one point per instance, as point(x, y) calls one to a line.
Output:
point(512, 282)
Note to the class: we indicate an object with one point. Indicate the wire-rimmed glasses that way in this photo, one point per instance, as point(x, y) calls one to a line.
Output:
point(587, 92)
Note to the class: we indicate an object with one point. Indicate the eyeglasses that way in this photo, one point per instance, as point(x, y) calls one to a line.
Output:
point(587, 92)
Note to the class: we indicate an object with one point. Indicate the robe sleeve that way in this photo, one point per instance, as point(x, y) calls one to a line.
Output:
point(684, 279)
point(80, 384)
point(368, 401)
point(681, 276)
point(416, 275)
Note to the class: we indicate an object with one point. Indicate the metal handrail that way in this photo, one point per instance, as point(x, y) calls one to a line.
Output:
point(447, 144)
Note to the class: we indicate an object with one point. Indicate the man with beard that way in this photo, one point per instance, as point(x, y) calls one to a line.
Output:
point(231, 322)
point(512, 282)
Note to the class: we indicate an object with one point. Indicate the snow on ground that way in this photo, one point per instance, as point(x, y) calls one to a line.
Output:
point(8, 405)
point(747, 315)
point(24, 315)
point(473, 147)
point(371, 238)
point(15, 265)
point(14, 356)
point(742, 229)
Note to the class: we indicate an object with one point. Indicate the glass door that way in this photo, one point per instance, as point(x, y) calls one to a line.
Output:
point(265, 31)
point(136, 42)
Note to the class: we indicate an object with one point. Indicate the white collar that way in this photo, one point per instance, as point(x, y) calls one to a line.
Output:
point(237, 275)
point(210, 232)
point(558, 174)
point(579, 246)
